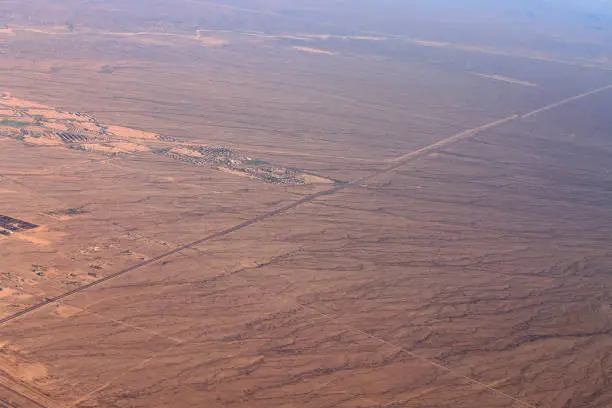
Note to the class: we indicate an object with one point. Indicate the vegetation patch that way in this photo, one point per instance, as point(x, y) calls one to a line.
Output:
point(12, 123)
point(255, 162)
point(69, 211)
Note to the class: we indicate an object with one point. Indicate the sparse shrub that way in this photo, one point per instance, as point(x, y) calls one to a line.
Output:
point(12, 123)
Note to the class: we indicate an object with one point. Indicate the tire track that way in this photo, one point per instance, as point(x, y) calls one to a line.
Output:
point(565, 101)
point(396, 163)
point(454, 138)
point(4, 403)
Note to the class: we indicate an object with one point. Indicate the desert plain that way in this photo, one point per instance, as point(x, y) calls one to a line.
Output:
point(266, 204)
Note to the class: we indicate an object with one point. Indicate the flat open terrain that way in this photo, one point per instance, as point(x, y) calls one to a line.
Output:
point(263, 204)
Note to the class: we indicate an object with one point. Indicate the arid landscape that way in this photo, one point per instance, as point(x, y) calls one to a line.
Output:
point(273, 203)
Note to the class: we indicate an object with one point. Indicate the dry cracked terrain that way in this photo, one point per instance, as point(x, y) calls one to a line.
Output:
point(453, 249)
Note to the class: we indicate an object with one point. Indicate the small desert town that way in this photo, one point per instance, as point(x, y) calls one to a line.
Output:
point(39, 125)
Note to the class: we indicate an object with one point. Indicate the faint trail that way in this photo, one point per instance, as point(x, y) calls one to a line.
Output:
point(505, 79)
point(12, 391)
point(568, 100)
point(397, 163)
point(28, 395)
point(453, 139)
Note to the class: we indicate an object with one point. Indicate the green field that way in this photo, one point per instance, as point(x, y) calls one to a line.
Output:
point(12, 123)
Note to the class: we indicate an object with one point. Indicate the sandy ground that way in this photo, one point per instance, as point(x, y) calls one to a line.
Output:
point(42, 141)
point(213, 41)
point(186, 152)
point(8, 100)
point(313, 50)
point(123, 132)
point(463, 262)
